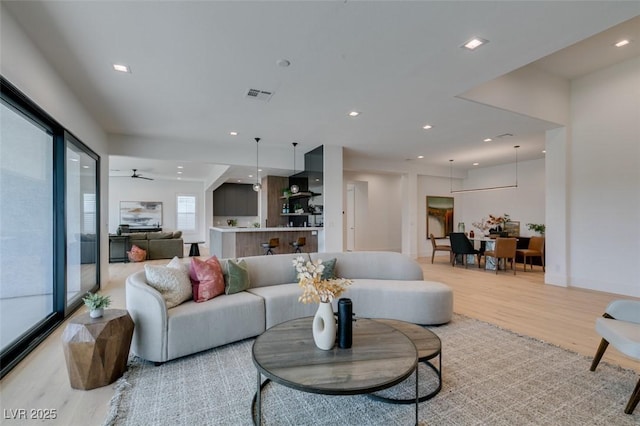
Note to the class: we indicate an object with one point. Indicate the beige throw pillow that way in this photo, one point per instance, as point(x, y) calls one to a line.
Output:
point(172, 281)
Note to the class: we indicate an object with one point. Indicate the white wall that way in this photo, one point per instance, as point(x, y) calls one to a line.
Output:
point(604, 179)
point(127, 189)
point(24, 66)
point(378, 212)
point(526, 203)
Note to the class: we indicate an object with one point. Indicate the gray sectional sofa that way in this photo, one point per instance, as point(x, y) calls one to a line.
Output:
point(385, 285)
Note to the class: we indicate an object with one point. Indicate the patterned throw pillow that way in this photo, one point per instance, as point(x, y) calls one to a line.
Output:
point(172, 281)
point(136, 254)
point(206, 278)
point(329, 271)
point(238, 279)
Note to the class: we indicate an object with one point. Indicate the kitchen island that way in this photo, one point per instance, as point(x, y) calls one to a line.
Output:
point(233, 242)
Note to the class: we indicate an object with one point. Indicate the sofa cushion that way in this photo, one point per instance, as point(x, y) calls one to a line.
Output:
point(172, 281)
point(419, 302)
point(207, 280)
point(273, 270)
point(194, 327)
point(372, 264)
point(137, 236)
point(238, 278)
point(281, 303)
point(159, 235)
point(177, 234)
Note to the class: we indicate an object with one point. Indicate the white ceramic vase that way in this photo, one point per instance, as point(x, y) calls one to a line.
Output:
point(324, 327)
point(96, 313)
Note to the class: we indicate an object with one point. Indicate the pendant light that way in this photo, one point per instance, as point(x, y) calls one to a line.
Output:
point(294, 188)
point(491, 188)
point(257, 186)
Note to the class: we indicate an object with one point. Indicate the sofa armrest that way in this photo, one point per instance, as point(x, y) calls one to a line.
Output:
point(149, 313)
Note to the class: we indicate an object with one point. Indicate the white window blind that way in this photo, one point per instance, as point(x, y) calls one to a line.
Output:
point(89, 213)
point(186, 215)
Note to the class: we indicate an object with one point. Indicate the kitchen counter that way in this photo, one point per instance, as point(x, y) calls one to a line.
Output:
point(252, 229)
point(234, 242)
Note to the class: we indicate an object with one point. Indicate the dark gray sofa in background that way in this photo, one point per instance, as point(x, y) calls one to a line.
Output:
point(159, 245)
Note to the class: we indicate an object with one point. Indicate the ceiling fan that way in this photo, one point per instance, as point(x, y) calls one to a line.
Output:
point(137, 176)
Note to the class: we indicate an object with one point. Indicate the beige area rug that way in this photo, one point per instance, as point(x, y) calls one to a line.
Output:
point(490, 377)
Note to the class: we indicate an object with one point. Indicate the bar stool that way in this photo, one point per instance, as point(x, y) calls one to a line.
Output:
point(300, 242)
point(273, 243)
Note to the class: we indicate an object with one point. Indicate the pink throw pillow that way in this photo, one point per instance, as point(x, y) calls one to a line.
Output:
point(136, 254)
point(207, 280)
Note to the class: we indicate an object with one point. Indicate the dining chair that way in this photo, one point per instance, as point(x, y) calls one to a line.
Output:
point(505, 248)
point(535, 249)
point(460, 245)
point(620, 327)
point(438, 247)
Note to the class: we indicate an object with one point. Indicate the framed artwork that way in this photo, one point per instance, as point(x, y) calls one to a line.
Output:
point(512, 228)
point(141, 213)
point(439, 216)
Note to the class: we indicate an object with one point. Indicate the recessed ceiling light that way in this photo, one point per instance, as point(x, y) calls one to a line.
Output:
point(85, 167)
point(250, 176)
point(487, 140)
point(474, 43)
point(233, 133)
point(179, 173)
point(239, 180)
point(121, 68)
point(427, 126)
point(476, 164)
point(181, 167)
point(544, 151)
point(354, 114)
point(420, 156)
point(317, 180)
point(74, 159)
point(622, 43)
point(259, 170)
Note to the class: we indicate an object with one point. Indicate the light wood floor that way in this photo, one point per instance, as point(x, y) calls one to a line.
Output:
point(561, 316)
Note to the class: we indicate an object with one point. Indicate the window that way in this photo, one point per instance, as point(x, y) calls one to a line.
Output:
point(89, 213)
point(186, 218)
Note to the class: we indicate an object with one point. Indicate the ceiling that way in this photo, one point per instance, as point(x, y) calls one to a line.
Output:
point(398, 63)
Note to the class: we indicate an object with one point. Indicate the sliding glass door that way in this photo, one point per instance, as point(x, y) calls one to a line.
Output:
point(26, 224)
point(81, 220)
point(49, 224)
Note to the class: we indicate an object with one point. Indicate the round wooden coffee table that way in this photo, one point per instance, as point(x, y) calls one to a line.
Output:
point(429, 346)
point(381, 357)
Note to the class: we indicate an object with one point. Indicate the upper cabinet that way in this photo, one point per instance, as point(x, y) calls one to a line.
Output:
point(232, 199)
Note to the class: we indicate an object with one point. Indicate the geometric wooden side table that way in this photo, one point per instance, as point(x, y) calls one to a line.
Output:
point(96, 349)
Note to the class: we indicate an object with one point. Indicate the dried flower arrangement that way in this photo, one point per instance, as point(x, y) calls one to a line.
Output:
point(315, 289)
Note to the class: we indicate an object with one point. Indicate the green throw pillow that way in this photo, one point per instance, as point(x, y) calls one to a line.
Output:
point(329, 271)
point(238, 277)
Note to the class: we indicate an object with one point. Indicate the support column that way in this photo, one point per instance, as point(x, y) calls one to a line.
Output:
point(410, 215)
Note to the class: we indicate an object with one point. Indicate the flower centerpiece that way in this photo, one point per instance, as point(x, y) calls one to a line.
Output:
point(323, 291)
point(316, 289)
point(482, 225)
point(497, 222)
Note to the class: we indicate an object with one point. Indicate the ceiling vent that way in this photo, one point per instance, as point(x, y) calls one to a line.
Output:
point(505, 135)
point(260, 95)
